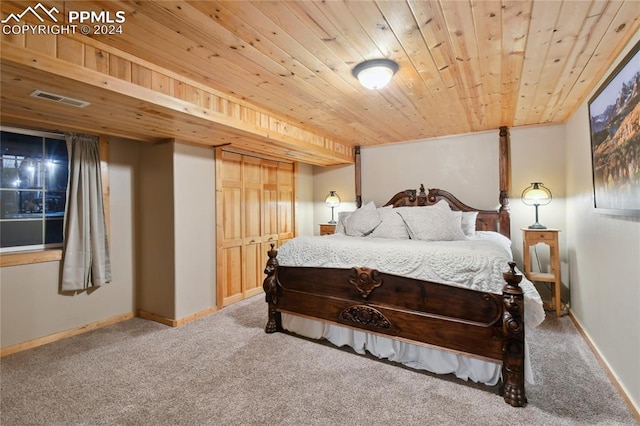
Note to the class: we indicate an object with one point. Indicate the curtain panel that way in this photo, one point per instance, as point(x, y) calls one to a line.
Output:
point(86, 262)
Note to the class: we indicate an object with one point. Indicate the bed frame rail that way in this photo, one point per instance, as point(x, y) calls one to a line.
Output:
point(484, 325)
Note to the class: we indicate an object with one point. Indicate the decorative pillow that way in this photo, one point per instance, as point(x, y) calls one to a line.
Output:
point(391, 225)
point(432, 223)
point(342, 217)
point(361, 222)
point(468, 222)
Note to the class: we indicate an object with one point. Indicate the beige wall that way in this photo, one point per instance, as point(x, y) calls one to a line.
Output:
point(466, 166)
point(304, 200)
point(177, 230)
point(195, 229)
point(155, 290)
point(604, 260)
point(31, 306)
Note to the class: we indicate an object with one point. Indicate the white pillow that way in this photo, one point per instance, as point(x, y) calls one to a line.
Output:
point(432, 223)
point(468, 222)
point(391, 225)
point(342, 217)
point(361, 222)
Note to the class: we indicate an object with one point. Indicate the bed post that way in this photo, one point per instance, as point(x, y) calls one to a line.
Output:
point(513, 334)
point(504, 159)
point(270, 286)
point(358, 168)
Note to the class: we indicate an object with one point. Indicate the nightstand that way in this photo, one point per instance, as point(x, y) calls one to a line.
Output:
point(327, 228)
point(531, 237)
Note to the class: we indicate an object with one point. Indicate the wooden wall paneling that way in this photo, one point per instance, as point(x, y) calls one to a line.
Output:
point(270, 200)
point(229, 226)
point(96, 59)
point(71, 50)
point(252, 193)
point(179, 113)
point(285, 201)
point(252, 225)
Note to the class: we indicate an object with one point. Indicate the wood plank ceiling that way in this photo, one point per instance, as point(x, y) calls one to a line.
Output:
point(464, 66)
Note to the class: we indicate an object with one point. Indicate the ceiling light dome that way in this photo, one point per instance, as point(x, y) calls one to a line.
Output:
point(376, 73)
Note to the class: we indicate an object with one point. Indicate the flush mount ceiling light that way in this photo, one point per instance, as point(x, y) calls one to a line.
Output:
point(376, 73)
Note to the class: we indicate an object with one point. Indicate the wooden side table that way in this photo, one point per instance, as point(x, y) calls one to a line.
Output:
point(531, 237)
point(327, 228)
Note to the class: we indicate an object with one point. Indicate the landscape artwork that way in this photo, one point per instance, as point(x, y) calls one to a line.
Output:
point(614, 116)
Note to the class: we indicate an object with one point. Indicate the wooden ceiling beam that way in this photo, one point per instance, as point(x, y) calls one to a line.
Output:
point(151, 92)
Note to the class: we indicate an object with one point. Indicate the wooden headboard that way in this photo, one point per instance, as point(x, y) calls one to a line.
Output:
point(488, 220)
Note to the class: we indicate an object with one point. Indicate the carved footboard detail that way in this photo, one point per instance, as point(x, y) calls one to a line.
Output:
point(513, 331)
point(365, 316)
point(270, 286)
point(365, 280)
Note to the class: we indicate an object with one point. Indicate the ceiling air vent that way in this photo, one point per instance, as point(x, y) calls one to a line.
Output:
point(60, 99)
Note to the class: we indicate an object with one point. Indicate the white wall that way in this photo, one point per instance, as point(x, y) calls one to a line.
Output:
point(304, 203)
point(337, 178)
point(155, 254)
point(31, 305)
point(195, 229)
point(604, 260)
point(465, 165)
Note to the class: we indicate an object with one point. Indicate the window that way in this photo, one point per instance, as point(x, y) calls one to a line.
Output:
point(33, 189)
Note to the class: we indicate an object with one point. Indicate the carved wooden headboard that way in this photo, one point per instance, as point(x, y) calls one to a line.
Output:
point(487, 220)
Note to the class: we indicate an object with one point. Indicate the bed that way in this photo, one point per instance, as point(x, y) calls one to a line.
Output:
point(446, 297)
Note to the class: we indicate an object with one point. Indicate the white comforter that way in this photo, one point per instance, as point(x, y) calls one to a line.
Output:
point(476, 263)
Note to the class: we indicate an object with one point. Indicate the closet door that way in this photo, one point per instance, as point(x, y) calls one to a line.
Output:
point(285, 202)
point(254, 210)
point(253, 226)
point(269, 212)
point(229, 227)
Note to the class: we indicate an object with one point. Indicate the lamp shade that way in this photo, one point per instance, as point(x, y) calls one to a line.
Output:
point(332, 199)
point(376, 73)
point(536, 195)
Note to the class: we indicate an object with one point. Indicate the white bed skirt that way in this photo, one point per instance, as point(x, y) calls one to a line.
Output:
point(414, 356)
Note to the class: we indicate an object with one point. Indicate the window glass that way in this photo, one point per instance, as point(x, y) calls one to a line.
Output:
point(33, 188)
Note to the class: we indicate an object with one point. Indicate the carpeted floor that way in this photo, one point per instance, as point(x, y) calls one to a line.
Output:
point(224, 370)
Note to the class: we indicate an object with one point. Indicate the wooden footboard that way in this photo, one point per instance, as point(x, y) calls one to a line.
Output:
point(478, 324)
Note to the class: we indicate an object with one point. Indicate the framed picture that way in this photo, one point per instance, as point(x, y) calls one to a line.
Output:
point(614, 118)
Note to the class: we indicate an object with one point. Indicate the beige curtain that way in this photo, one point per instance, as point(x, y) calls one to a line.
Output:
point(85, 261)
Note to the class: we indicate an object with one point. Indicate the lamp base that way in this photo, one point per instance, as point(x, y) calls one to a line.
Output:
point(332, 222)
point(537, 226)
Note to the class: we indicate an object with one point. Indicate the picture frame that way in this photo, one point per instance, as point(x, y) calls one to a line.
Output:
point(614, 123)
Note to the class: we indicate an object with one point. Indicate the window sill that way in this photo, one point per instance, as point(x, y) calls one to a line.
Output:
point(29, 257)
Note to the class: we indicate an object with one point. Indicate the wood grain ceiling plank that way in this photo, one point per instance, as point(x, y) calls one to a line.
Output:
point(443, 86)
point(301, 86)
point(172, 111)
point(461, 28)
point(556, 70)
point(321, 47)
point(311, 73)
point(178, 59)
point(350, 31)
point(608, 28)
point(434, 32)
point(419, 75)
point(516, 18)
point(487, 22)
point(184, 26)
point(541, 29)
point(407, 90)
